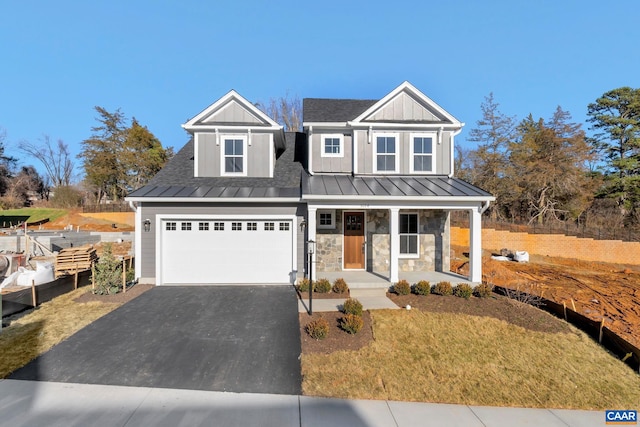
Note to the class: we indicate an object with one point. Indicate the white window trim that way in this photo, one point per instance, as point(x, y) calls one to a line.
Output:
point(223, 138)
point(338, 136)
point(434, 141)
point(331, 226)
point(375, 151)
point(417, 254)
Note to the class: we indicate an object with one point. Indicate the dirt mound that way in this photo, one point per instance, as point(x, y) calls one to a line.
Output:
point(76, 219)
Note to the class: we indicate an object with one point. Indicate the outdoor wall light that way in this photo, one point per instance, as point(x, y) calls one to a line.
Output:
point(147, 225)
point(303, 225)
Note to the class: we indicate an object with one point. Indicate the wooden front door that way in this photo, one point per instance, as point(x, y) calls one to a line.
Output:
point(354, 240)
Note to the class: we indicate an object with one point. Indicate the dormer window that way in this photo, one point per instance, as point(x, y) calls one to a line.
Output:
point(234, 155)
point(332, 145)
point(422, 152)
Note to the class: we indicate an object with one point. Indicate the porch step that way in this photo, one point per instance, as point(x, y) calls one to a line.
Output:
point(368, 292)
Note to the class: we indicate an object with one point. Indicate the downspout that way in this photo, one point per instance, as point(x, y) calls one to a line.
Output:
point(484, 207)
point(309, 149)
point(451, 150)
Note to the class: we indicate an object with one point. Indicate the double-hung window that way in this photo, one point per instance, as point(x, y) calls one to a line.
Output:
point(234, 155)
point(332, 146)
point(409, 234)
point(422, 150)
point(386, 153)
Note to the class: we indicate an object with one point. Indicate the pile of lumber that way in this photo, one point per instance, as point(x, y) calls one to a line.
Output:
point(70, 260)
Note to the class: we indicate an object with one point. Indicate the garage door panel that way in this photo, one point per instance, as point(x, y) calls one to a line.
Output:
point(229, 251)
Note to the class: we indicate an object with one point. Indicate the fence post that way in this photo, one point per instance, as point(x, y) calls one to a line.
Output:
point(33, 293)
point(124, 276)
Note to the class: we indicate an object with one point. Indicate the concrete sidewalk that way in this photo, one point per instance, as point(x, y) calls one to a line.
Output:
point(35, 404)
point(371, 299)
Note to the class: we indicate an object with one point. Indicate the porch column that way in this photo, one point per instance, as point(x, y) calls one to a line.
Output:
point(475, 246)
point(394, 244)
point(311, 235)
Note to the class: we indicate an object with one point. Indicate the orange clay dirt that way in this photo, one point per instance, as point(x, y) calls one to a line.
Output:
point(597, 289)
point(86, 223)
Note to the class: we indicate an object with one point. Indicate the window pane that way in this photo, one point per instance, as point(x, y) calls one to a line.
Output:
point(237, 147)
point(413, 244)
point(391, 145)
point(228, 147)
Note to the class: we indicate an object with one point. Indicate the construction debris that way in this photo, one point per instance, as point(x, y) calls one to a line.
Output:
point(71, 260)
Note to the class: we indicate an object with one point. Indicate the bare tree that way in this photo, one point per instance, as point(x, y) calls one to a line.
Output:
point(285, 110)
point(54, 157)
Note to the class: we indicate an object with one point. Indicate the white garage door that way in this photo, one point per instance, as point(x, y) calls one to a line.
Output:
point(226, 251)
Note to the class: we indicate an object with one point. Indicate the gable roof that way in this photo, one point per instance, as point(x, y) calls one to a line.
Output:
point(176, 179)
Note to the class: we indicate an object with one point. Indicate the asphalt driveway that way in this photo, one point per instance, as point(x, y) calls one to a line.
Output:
point(218, 338)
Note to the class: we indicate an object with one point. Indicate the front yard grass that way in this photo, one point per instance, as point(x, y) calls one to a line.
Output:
point(34, 333)
point(36, 214)
point(465, 359)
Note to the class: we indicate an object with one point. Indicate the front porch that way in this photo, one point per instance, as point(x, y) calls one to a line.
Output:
point(366, 279)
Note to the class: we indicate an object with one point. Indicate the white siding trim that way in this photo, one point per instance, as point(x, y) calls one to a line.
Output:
point(196, 154)
point(339, 137)
point(272, 155)
point(137, 241)
point(354, 150)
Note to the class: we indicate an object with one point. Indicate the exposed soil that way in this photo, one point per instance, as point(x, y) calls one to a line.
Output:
point(120, 297)
point(597, 289)
point(75, 219)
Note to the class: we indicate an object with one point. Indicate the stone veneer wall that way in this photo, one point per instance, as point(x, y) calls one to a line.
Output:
point(434, 243)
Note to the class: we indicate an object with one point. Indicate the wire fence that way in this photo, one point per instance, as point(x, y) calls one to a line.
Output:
point(111, 207)
point(559, 227)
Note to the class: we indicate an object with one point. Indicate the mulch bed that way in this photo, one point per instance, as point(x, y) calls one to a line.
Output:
point(337, 339)
point(496, 306)
point(120, 297)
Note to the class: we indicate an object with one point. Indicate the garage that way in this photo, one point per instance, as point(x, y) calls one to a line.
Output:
point(226, 251)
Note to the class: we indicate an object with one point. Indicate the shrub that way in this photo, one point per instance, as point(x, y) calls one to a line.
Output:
point(422, 288)
point(322, 286)
point(340, 286)
point(442, 288)
point(318, 329)
point(402, 287)
point(107, 279)
point(352, 306)
point(463, 290)
point(483, 290)
point(303, 284)
point(351, 323)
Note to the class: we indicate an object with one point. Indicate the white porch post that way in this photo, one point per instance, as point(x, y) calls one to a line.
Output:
point(394, 244)
point(475, 246)
point(137, 242)
point(311, 235)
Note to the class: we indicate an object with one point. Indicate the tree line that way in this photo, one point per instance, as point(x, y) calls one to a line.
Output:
point(545, 170)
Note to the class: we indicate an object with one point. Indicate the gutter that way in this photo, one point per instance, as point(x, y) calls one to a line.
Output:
point(451, 149)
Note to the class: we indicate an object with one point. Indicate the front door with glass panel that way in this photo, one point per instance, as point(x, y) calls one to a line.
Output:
point(354, 247)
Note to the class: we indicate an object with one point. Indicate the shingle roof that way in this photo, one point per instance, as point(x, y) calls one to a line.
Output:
point(176, 178)
point(333, 110)
point(392, 186)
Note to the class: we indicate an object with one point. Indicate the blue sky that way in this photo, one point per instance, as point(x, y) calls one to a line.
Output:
point(165, 61)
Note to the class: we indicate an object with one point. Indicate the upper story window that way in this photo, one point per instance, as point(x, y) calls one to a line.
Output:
point(422, 153)
point(234, 155)
point(332, 146)
point(386, 154)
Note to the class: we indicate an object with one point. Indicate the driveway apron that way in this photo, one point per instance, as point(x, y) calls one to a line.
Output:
point(218, 338)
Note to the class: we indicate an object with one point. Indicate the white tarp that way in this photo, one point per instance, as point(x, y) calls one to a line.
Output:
point(43, 274)
point(521, 256)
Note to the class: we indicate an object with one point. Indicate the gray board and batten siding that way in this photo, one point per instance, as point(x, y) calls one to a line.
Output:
point(167, 209)
point(210, 148)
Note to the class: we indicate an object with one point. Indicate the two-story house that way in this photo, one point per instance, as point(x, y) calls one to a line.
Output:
point(369, 181)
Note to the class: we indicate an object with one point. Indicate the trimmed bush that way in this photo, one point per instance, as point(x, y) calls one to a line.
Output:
point(442, 288)
point(340, 286)
point(402, 287)
point(322, 286)
point(422, 288)
point(303, 284)
point(318, 329)
point(483, 290)
point(107, 279)
point(351, 323)
point(463, 290)
point(352, 306)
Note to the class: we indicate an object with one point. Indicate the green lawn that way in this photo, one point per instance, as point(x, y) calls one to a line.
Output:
point(34, 214)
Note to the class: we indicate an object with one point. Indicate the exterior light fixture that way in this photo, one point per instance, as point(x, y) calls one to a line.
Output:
point(311, 249)
point(147, 225)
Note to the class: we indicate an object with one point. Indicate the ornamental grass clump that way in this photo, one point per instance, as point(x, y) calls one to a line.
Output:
point(351, 323)
point(340, 286)
point(402, 287)
point(483, 290)
point(318, 329)
point(442, 288)
point(463, 290)
point(303, 284)
point(352, 306)
point(322, 286)
point(422, 288)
